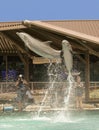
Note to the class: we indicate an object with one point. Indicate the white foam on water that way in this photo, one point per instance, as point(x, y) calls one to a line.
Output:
point(66, 118)
point(61, 118)
point(41, 118)
point(5, 126)
point(26, 119)
point(79, 120)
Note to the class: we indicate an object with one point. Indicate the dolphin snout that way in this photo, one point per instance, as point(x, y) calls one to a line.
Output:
point(21, 35)
point(65, 41)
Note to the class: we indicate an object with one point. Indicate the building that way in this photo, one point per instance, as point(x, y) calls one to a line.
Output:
point(82, 34)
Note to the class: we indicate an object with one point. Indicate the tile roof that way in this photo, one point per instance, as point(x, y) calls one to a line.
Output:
point(11, 25)
point(89, 27)
point(62, 30)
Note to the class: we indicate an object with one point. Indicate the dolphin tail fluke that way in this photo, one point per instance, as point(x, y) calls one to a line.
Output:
point(69, 77)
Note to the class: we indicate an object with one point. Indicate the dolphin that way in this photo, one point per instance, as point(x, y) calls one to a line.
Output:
point(41, 48)
point(67, 55)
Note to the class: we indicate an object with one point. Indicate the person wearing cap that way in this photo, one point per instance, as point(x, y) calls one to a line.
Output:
point(22, 87)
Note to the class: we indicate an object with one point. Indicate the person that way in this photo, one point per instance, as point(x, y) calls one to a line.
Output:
point(78, 92)
point(29, 95)
point(22, 86)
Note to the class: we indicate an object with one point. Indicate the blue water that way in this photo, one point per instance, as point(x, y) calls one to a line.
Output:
point(77, 120)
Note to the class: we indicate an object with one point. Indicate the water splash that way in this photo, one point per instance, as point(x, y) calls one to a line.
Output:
point(52, 79)
point(69, 88)
point(64, 114)
point(61, 117)
point(53, 76)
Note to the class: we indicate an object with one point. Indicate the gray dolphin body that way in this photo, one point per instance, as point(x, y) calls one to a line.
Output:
point(41, 48)
point(67, 55)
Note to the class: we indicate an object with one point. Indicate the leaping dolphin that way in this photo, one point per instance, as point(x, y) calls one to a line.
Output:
point(41, 48)
point(67, 55)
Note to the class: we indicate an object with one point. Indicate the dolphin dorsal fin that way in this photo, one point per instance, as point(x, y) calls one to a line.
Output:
point(47, 43)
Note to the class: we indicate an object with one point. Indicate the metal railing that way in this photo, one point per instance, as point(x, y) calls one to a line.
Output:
point(10, 86)
point(8, 91)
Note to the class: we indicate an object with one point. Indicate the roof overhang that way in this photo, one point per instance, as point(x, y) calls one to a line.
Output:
point(42, 27)
point(63, 31)
point(6, 26)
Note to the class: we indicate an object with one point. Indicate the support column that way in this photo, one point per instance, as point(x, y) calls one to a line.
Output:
point(87, 76)
point(26, 69)
point(6, 61)
point(25, 61)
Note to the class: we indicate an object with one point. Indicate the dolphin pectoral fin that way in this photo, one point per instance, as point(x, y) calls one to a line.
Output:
point(73, 73)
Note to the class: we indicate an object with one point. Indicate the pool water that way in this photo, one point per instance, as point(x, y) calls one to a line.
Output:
point(76, 120)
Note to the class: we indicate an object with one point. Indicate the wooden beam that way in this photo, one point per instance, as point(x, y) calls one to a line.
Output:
point(45, 35)
point(76, 46)
point(2, 45)
point(20, 55)
point(23, 58)
point(91, 51)
point(26, 69)
point(63, 31)
point(87, 76)
point(57, 39)
point(6, 61)
point(41, 60)
point(16, 45)
point(81, 59)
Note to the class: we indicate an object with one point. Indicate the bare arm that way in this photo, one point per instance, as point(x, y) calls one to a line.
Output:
point(26, 83)
point(16, 84)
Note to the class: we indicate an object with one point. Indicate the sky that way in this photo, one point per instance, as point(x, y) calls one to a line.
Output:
point(17, 10)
